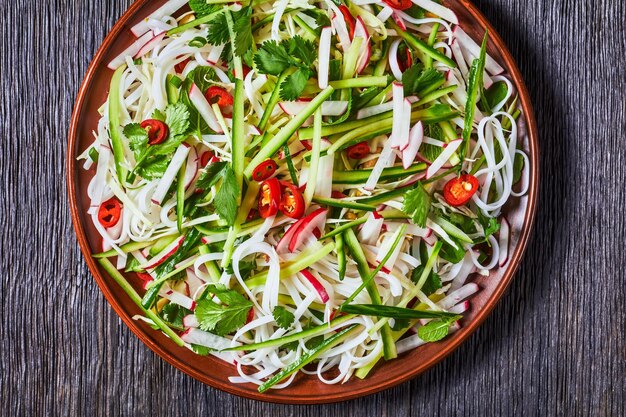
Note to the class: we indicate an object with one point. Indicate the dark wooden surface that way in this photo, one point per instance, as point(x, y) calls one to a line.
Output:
point(555, 346)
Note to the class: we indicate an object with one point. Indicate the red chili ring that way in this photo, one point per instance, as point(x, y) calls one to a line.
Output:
point(206, 157)
point(264, 170)
point(157, 131)
point(291, 203)
point(399, 4)
point(460, 190)
point(110, 212)
point(358, 151)
point(269, 198)
point(218, 95)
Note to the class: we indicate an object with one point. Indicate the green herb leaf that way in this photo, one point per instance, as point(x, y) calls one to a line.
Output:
point(452, 254)
point(436, 330)
point(284, 318)
point(137, 138)
point(272, 58)
point(243, 30)
point(416, 78)
point(496, 93)
point(518, 168)
point(174, 314)
point(301, 49)
point(417, 204)
point(177, 120)
point(227, 196)
point(211, 175)
point(201, 8)
point(222, 318)
point(158, 115)
point(201, 350)
point(218, 30)
point(490, 224)
point(132, 265)
point(432, 283)
point(154, 167)
point(294, 84)
point(245, 269)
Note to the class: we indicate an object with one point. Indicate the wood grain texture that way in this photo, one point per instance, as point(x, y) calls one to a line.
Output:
point(555, 345)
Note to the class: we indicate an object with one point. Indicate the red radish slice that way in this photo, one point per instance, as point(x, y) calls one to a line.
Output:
point(308, 224)
point(399, 21)
point(460, 308)
point(360, 30)
point(317, 285)
point(398, 113)
point(394, 64)
point(459, 295)
point(202, 338)
point(180, 299)
point(371, 229)
point(324, 57)
point(437, 9)
point(132, 50)
point(374, 110)
point(190, 320)
point(170, 173)
point(458, 57)
point(443, 157)
point(283, 244)
point(329, 108)
point(160, 257)
point(385, 14)
point(191, 169)
point(152, 43)
point(503, 241)
point(416, 136)
point(403, 140)
point(386, 159)
point(339, 24)
point(468, 43)
point(169, 8)
point(214, 55)
point(204, 108)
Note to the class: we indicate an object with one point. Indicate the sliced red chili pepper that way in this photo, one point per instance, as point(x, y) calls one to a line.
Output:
point(180, 67)
point(218, 95)
point(337, 195)
point(460, 190)
point(110, 212)
point(399, 4)
point(250, 316)
point(405, 59)
point(264, 170)
point(206, 157)
point(269, 198)
point(350, 20)
point(252, 214)
point(157, 131)
point(307, 144)
point(358, 151)
point(292, 202)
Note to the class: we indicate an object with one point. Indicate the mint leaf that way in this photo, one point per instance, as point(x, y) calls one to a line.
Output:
point(432, 283)
point(284, 318)
point(417, 204)
point(224, 318)
point(272, 58)
point(227, 197)
point(436, 330)
point(203, 77)
point(137, 138)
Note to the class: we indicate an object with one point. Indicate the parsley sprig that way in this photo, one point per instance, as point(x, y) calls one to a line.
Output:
point(296, 54)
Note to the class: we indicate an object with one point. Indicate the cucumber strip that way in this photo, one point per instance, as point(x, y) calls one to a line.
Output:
point(310, 356)
point(211, 266)
point(389, 346)
point(273, 101)
point(287, 131)
point(344, 227)
point(341, 256)
point(117, 143)
point(381, 97)
point(127, 248)
point(180, 197)
point(421, 46)
point(367, 81)
point(382, 197)
point(297, 264)
point(361, 176)
point(171, 88)
point(428, 61)
point(448, 131)
point(247, 204)
point(432, 87)
point(238, 134)
point(435, 95)
point(130, 291)
point(315, 156)
point(304, 334)
point(451, 229)
point(332, 202)
point(309, 33)
point(351, 58)
point(193, 23)
point(475, 85)
point(396, 312)
point(290, 167)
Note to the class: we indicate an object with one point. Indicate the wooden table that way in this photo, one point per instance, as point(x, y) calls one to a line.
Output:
point(556, 344)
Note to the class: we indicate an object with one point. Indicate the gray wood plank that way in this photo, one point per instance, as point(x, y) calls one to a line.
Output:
point(555, 346)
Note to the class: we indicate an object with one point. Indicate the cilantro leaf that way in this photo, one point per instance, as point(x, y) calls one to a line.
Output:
point(272, 58)
point(417, 204)
point(416, 78)
point(294, 84)
point(284, 318)
point(211, 175)
point(137, 138)
point(177, 120)
point(224, 318)
point(201, 8)
point(490, 224)
point(243, 30)
point(174, 314)
point(227, 196)
point(245, 269)
point(432, 283)
point(154, 167)
point(436, 330)
point(218, 30)
point(302, 49)
point(158, 115)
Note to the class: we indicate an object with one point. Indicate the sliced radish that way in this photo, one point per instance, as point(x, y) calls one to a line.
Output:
point(214, 55)
point(405, 127)
point(438, 9)
point(204, 108)
point(360, 30)
point(443, 157)
point(329, 108)
point(150, 45)
point(317, 285)
point(386, 159)
point(456, 296)
point(374, 110)
point(384, 14)
point(370, 231)
point(170, 173)
point(132, 50)
point(169, 8)
point(190, 320)
point(468, 43)
point(315, 220)
point(180, 299)
point(324, 57)
point(503, 241)
point(416, 136)
point(398, 114)
point(160, 257)
point(339, 24)
point(199, 337)
point(191, 169)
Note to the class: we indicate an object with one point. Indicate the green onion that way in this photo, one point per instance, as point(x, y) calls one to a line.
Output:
point(395, 312)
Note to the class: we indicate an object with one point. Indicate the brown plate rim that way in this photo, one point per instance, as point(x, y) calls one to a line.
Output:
point(375, 386)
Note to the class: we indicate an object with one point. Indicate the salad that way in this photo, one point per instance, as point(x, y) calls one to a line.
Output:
point(304, 187)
